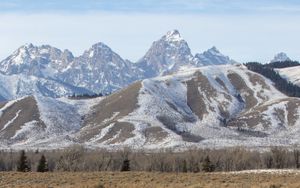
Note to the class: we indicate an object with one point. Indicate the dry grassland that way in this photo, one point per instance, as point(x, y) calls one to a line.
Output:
point(148, 180)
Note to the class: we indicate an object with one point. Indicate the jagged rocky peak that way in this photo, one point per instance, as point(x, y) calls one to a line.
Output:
point(212, 57)
point(22, 51)
point(173, 35)
point(67, 55)
point(98, 50)
point(35, 60)
point(26, 46)
point(214, 50)
point(166, 55)
point(280, 57)
point(99, 69)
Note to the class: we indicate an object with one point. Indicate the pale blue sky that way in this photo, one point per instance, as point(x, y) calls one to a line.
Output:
point(244, 30)
point(174, 6)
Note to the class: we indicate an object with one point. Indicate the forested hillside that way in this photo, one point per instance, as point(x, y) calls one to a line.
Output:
point(280, 83)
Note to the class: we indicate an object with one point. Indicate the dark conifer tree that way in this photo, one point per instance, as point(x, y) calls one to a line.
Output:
point(42, 166)
point(23, 165)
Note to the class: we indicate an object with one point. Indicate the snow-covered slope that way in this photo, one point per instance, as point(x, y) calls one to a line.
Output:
point(292, 74)
point(205, 107)
point(19, 85)
point(41, 122)
point(280, 57)
point(211, 106)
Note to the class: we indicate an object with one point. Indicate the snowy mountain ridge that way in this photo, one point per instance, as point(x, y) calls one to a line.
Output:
point(98, 69)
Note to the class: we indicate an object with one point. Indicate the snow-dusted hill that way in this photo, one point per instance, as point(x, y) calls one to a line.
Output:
point(292, 74)
point(212, 106)
point(169, 98)
point(15, 86)
point(41, 122)
point(206, 107)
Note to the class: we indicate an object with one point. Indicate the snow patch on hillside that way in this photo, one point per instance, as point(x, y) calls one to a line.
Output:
point(291, 74)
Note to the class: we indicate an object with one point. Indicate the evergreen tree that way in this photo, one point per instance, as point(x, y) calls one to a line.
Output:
point(23, 165)
point(207, 165)
point(42, 166)
point(125, 165)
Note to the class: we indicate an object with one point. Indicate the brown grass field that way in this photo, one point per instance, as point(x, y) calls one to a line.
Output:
point(269, 179)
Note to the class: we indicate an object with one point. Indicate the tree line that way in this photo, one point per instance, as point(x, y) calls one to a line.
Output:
point(192, 160)
point(282, 64)
point(280, 83)
point(87, 96)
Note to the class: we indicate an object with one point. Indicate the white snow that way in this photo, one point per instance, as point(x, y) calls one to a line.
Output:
point(292, 74)
point(59, 117)
point(11, 121)
point(265, 171)
point(9, 104)
point(26, 129)
point(167, 96)
point(156, 93)
point(84, 106)
point(91, 53)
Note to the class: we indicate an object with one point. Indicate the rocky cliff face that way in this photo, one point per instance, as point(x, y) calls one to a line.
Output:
point(167, 54)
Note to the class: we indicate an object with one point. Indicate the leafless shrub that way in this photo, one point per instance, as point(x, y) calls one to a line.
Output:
point(78, 158)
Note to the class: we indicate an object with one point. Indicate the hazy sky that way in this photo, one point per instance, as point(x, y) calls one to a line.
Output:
point(244, 30)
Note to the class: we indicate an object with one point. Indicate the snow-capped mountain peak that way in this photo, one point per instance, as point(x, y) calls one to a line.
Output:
point(35, 60)
point(99, 69)
point(212, 57)
point(28, 45)
point(166, 55)
point(173, 36)
point(280, 57)
point(214, 50)
point(98, 49)
point(100, 45)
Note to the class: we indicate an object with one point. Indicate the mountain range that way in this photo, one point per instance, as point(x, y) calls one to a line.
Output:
point(51, 72)
point(170, 98)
